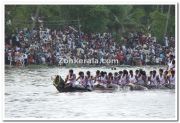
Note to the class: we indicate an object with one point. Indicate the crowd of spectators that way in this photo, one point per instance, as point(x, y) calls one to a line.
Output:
point(49, 46)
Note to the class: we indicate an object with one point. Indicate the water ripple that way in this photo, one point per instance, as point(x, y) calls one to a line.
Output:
point(29, 93)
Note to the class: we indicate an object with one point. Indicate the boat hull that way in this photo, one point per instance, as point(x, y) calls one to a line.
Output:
point(110, 88)
point(72, 89)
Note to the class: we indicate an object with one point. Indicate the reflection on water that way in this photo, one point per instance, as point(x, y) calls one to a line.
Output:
point(29, 93)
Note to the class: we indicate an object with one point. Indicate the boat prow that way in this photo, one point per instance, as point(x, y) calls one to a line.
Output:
point(60, 86)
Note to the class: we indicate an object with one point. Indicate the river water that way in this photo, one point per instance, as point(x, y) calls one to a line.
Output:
point(29, 94)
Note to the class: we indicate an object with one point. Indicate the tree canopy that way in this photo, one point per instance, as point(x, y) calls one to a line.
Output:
point(119, 19)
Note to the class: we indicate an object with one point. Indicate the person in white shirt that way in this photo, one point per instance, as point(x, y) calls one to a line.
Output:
point(154, 80)
point(171, 80)
point(171, 63)
point(70, 79)
point(25, 58)
point(89, 81)
point(161, 77)
point(132, 78)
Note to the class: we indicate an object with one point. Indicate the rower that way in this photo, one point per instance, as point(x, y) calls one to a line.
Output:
point(120, 75)
point(172, 79)
point(81, 80)
point(145, 78)
point(103, 79)
point(161, 77)
point(154, 79)
point(124, 78)
point(115, 78)
point(149, 77)
point(132, 78)
point(171, 63)
point(141, 78)
point(136, 74)
point(105, 74)
point(166, 76)
point(112, 81)
point(70, 78)
point(110, 78)
point(97, 78)
point(89, 80)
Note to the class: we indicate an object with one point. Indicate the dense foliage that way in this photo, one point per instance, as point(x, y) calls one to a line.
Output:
point(118, 19)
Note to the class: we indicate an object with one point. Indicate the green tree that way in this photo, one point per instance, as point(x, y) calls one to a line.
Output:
point(158, 21)
point(117, 19)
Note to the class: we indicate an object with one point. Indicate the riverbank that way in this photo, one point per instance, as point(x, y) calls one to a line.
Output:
point(113, 67)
